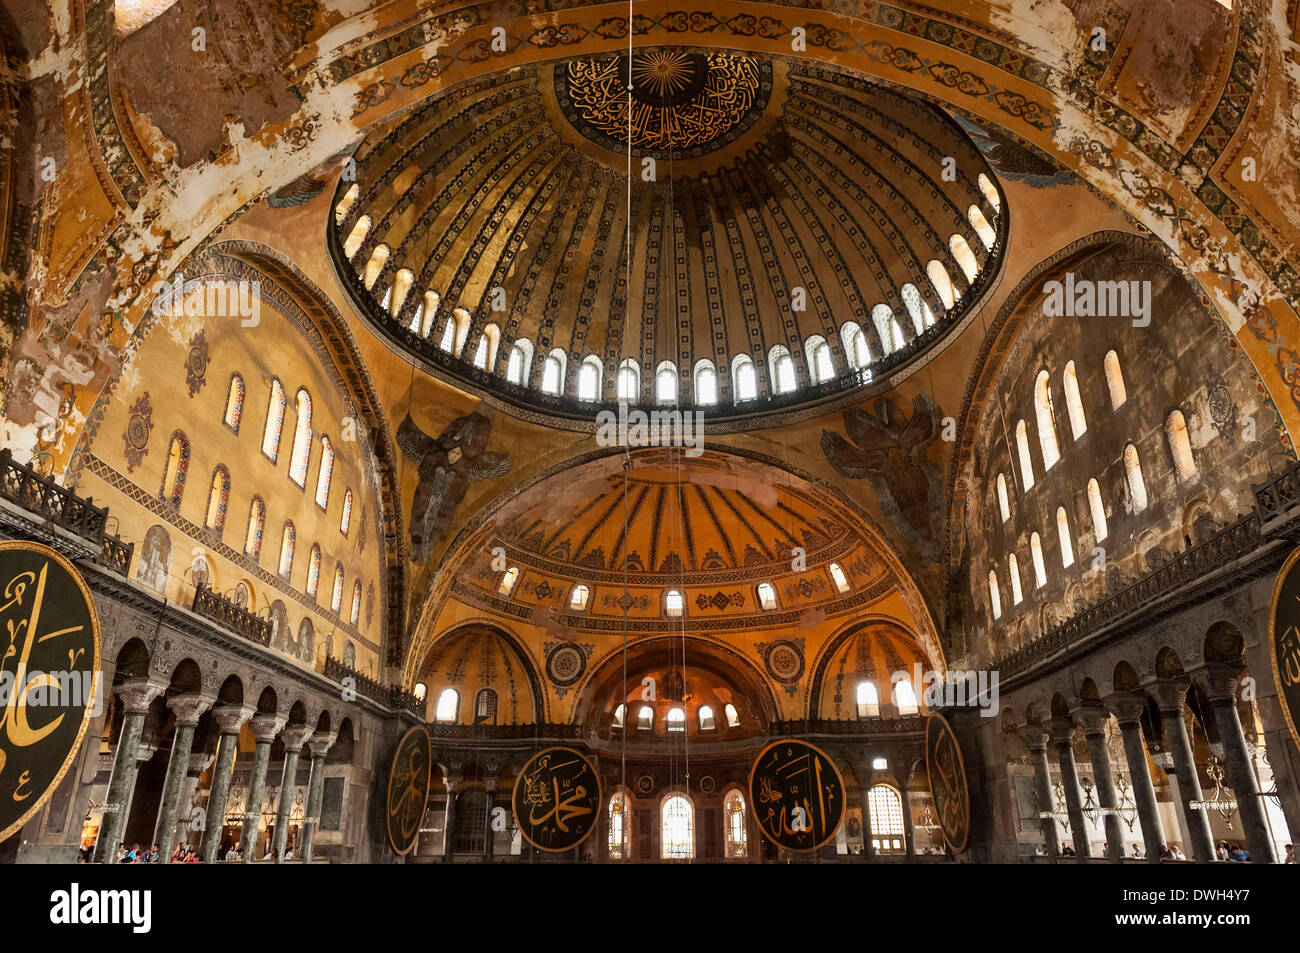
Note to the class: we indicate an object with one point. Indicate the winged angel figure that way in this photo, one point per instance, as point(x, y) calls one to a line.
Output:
point(890, 451)
point(448, 465)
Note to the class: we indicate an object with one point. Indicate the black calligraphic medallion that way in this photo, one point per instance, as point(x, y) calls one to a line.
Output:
point(798, 795)
point(1284, 641)
point(947, 772)
point(49, 675)
point(408, 788)
point(557, 799)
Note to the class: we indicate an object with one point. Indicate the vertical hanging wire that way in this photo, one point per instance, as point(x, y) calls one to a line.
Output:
point(625, 833)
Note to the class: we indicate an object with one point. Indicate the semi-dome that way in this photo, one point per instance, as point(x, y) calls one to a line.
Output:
point(759, 232)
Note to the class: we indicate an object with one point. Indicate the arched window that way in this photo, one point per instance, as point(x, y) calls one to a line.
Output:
point(678, 828)
point(422, 320)
point(1137, 487)
point(448, 342)
point(378, 258)
point(589, 373)
point(882, 316)
point(300, 456)
point(706, 383)
point(421, 691)
point(780, 366)
point(1046, 425)
point(1098, 511)
point(1040, 570)
point(256, 526)
point(676, 719)
point(336, 595)
point(457, 330)
point(485, 353)
point(355, 237)
point(313, 571)
point(960, 249)
point(707, 722)
point(1013, 567)
point(553, 373)
point(1115, 381)
point(401, 288)
point(666, 383)
point(287, 540)
point(628, 382)
point(1078, 422)
point(856, 351)
point(618, 827)
point(521, 358)
point(578, 598)
point(886, 819)
point(904, 697)
point(645, 718)
point(448, 707)
point(743, 378)
point(920, 313)
point(218, 497)
point(508, 579)
point(981, 225)
point(733, 812)
point(995, 598)
point(837, 576)
point(354, 616)
point(868, 699)
point(345, 520)
point(1026, 464)
point(990, 192)
point(325, 474)
point(234, 403)
point(1180, 445)
point(733, 716)
point(818, 354)
point(1004, 505)
point(674, 604)
point(619, 714)
point(345, 204)
point(274, 422)
point(485, 706)
point(938, 276)
point(1063, 532)
point(178, 464)
point(766, 596)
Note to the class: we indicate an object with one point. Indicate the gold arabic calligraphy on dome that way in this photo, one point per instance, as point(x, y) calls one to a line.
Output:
point(683, 102)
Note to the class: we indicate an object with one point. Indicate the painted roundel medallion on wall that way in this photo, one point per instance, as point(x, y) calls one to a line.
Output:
point(784, 661)
point(408, 788)
point(565, 664)
point(947, 771)
point(707, 784)
point(47, 612)
point(645, 784)
point(556, 799)
point(798, 795)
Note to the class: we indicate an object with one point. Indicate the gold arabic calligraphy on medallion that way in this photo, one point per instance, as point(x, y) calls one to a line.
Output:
point(556, 799)
point(798, 795)
point(1284, 641)
point(947, 772)
point(408, 788)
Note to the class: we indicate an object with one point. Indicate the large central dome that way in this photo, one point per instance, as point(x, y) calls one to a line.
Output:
point(783, 232)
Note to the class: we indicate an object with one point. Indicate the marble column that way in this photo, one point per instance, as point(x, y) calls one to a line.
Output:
point(864, 772)
point(136, 696)
point(319, 746)
point(229, 719)
point(1093, 722)
point(1170, 696)
point(265, 728)
point(909, 837)
point(187, 709)
point(1035, 739)
point(294, 737)
point(1062, 730)
point(449, 817)
point(490, 789)
point(1127, 710)
point(1221, 688)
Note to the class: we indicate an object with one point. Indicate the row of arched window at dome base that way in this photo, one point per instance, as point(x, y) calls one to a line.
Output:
point(437, 327)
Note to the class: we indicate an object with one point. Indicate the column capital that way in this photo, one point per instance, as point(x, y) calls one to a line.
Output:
point(490, 785)
point(200, 761)
point(1061, 730)
point(1170, 694)
point(320, 744)
point(1127, 707)
point(1034, 737)
point(188, 708)
point(230, 718)
point(1091, 719)
point(451, 781)
point(266, 727)
point(1220, 682)
point(138, 693)
point(294, 736)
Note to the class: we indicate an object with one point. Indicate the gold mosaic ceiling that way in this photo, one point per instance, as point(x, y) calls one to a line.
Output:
point(787, 199)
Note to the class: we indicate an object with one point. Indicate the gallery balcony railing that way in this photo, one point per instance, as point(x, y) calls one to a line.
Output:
point(390, 696)
point(487, 731)
point(848, 726)
point(39, 494)
point(115, 554)
point(219, 609)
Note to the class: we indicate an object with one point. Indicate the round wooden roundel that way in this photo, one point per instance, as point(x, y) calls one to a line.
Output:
point(557, 799)
point(798, 795)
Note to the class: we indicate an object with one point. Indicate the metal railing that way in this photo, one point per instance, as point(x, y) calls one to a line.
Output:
point(390, 696)
point(237, 619)
point(39, 494)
